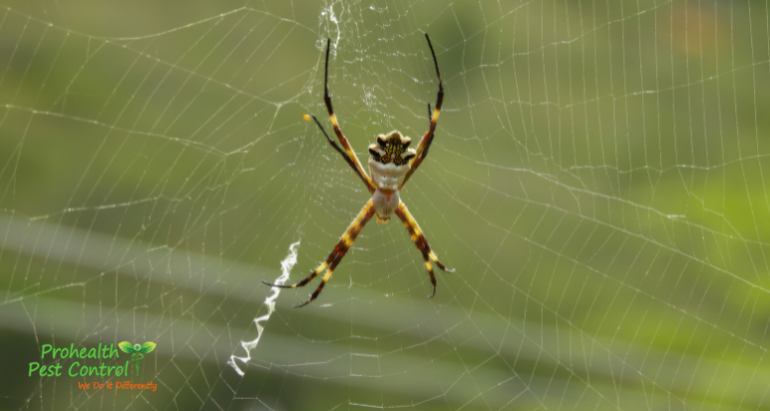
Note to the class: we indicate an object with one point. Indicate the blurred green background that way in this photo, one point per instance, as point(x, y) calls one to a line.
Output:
point(598, 182)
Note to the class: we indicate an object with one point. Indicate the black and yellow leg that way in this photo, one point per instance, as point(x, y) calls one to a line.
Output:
point(422, 244)
point(364, 177)
point(336, 255)
point(427, 139)
point(348, 154)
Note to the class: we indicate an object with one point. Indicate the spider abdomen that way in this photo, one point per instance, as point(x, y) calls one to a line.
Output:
point(387, 177)
point(389, 160)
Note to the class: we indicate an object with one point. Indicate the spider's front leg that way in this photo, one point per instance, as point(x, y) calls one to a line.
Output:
point(422, 244)
point(336, 255)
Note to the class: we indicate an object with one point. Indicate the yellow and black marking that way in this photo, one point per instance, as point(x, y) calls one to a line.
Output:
point(393, 152)
point(422, 244)
point(394, 145)
point(427, 139)
point(336, 255)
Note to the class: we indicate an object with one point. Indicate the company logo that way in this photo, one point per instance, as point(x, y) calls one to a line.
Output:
point(79, 362)
point(137, 351)
point(76, 369)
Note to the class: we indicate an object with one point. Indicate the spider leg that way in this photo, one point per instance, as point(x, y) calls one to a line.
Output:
point(427, 139)
point(351, 162)
point(346, 241)
point(349, 155)
point(422, 244)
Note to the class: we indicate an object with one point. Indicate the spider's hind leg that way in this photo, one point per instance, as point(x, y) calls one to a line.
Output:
point(427, 138)
point(422, 244)
point(336, 255)
point(349, 154)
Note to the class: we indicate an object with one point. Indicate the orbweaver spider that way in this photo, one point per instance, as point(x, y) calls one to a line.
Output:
point(391, 163)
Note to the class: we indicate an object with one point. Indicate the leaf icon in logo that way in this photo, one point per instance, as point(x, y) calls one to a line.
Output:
point(126, 346)
point(137, 351)
point(147, 347)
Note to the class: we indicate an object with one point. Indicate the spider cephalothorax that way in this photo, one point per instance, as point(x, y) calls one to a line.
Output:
point(391, 163)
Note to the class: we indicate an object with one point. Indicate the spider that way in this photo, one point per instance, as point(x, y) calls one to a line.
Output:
point(391, 163)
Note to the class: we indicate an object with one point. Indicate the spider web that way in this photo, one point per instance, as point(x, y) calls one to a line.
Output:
point(597, 182)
